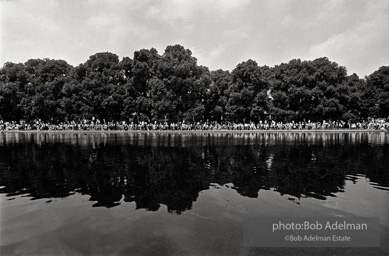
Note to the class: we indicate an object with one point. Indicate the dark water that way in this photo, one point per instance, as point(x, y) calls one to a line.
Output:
point(182, 194)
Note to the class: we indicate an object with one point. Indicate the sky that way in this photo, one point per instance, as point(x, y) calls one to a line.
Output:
point(220, 33)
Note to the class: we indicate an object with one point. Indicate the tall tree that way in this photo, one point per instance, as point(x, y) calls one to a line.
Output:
point(217, 95)
point(102, 86)
point(248, 93)
point(377, 92)
point(43, 92)
point(308, 90)
point(13, 80)
point(181, 74)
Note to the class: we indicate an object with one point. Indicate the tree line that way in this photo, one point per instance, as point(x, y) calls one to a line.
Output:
point(173, 87)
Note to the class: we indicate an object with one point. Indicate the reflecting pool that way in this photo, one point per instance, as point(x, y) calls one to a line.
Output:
point(182, 193)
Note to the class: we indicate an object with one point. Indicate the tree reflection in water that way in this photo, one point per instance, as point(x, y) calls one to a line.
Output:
point(172, 169)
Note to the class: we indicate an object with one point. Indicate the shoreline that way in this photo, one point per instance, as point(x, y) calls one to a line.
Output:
point(195, 131)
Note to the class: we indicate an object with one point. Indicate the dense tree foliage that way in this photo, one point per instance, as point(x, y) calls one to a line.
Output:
point(248, 98)
point(377, 92)
point(311, 90)
point(173, 87)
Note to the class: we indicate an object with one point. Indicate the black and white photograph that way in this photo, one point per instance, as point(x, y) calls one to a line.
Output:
point(194, 127)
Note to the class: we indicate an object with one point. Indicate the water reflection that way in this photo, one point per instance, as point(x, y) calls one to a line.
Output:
point(151, 169)
point(197, 139)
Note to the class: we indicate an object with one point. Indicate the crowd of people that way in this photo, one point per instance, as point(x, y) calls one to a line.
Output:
point(96, 125)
